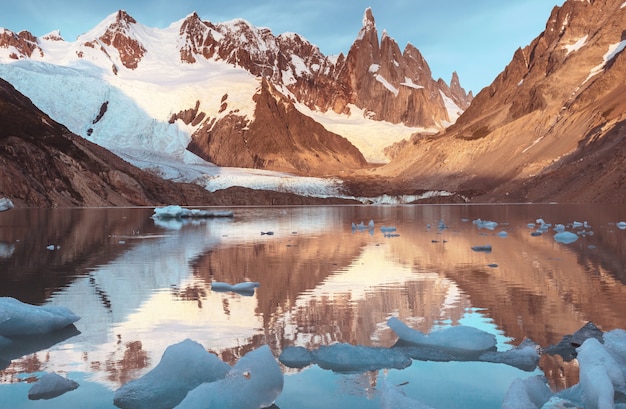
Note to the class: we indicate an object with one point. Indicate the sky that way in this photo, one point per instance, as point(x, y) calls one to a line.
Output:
point(476, 39)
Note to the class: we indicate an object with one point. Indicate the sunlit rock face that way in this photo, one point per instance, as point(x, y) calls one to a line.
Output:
point(551, 126)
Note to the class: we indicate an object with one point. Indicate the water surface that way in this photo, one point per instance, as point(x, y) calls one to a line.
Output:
point(140, 286)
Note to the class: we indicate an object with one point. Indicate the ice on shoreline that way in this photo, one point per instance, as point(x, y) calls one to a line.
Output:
point(179, 212)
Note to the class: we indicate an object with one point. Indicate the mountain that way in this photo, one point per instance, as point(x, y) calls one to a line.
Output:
point(42, 164)
point(213, 89)
point(551, 126)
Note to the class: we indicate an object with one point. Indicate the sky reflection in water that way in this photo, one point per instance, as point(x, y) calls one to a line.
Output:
point(141, 286)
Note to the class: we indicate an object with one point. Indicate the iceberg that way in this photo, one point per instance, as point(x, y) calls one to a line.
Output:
point(183, 367)
point(485, 224)
point(346, 358)
point(600, 375)
point(388, 229)
point(362, 226)
point(18, 318)
point(254, 382)
point(50, 386)
point(5, 204)
point(566, 237)
point(244, 288)
point(531, 393)
point(179, 212)
point(458, 340)
point(484, 248)
point(525, 356)
point(621, 225)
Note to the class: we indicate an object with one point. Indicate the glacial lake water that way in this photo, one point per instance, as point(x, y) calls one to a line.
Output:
point(140, 286)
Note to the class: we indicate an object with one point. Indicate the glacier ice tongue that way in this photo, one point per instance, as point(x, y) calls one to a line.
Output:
point(18, 318)
point(183, 367)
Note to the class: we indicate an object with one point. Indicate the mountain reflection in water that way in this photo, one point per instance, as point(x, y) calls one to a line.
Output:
point(140, 285)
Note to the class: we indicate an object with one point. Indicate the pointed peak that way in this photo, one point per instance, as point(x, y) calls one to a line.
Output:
point(123, 16)
point(368, 19)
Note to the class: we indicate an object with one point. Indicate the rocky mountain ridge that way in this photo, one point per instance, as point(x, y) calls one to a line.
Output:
point(551, 126)
point(374, 80)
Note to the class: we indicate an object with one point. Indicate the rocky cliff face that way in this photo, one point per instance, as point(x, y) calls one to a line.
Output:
point(550, 127)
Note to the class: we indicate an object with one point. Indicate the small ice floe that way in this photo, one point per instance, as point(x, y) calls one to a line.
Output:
point(484, 248)
point(363, 227)
point(244, 288)
point(267, 233)
point(531, 392)
point(492, 265)
point(18, 318)
point(183, 367)
point(525, 356)
point(52, 247)
point(5, 204)
point(50, 386)
point(441, 226)
point(458, 340)
point(255, 381)
point(621, 225)
point(179, 212)
point(502, 234)
point(346, 358)
point(392, 397)
point(559, 228)
point(485, 224)
point(536, 233)
point(388, 229)
point(566, 237)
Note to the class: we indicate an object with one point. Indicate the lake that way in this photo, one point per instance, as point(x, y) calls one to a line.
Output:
point(140, 285)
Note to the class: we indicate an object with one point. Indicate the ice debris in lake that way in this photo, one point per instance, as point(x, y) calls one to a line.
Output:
point(183, 367)
point(363, 227)
point(486, 248)
point(5, 204)
point(255, 381)
point(602, 378)
point(621, 225)
point(18, 318)
point(525, 356)
point(50, 386)
point(345, 358)
point(457, 340)
point(485, 224)
point(243, 288)
point(178, 212)
point(565, 237)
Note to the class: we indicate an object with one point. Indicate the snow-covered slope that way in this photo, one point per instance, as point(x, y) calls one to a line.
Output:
point(129, 88)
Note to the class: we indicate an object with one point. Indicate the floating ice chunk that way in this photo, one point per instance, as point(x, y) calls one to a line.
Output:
point(621, 225)
point(243, 288)
point(18, 318)
point(387, 229)
point(296, 357)
point(485, 224)
point(457, 339)
point(392, 397)
point(50, 386)
point(254, 382)
point(485, 248)
point(183, 367)
point(5, 204)
point(530, 393)
point(362, 226)
point(531, 225)
point(525, 356)
point(536, 233)
point(600, 375)
point(559, 228)
point(615, 344)
point(566, 237)
point(346, 358)
point(178, 212)
point(503, 234)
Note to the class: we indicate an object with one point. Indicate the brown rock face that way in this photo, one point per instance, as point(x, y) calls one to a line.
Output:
point(23, 42)
point(551, 125)
point(279, 138)
point(119, 35)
